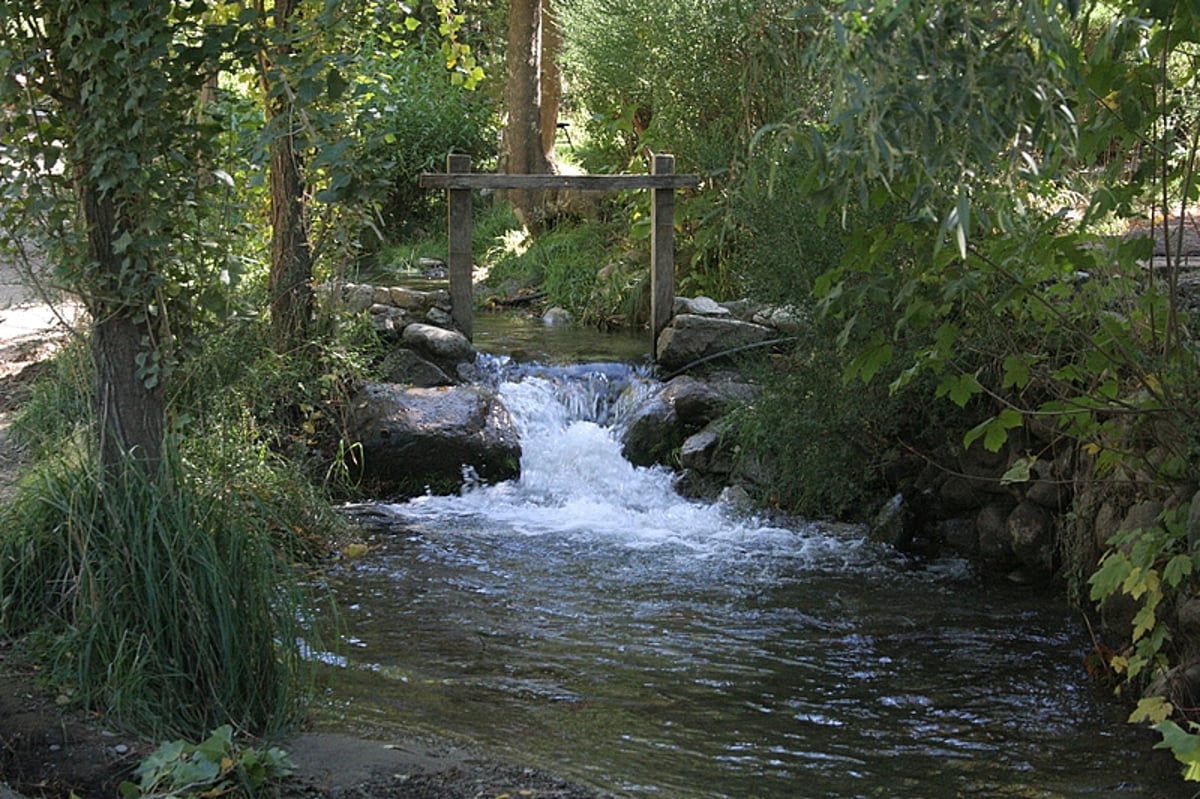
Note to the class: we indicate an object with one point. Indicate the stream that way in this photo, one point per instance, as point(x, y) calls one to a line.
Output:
point(588, 620)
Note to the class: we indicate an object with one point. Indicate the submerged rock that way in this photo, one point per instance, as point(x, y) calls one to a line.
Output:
point(907, 522)
point(414, 438)
point(557, 317)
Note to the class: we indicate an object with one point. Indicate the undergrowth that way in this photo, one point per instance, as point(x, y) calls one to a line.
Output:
point(174, 601)
point(170, 601)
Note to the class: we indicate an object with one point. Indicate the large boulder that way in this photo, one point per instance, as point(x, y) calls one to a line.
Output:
point(415, 439)
point(447, 348)
point(691, 338)
point(704, 453)
point(995, 542)
point(405, 366)
point(657, 428)
point(652, 433)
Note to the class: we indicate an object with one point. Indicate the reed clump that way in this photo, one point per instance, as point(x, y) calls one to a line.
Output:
point(173, 600)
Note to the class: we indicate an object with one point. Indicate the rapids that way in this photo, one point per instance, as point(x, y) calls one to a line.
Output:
point(587, 619)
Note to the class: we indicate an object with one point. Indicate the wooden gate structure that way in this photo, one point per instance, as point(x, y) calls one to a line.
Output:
point(459, 181)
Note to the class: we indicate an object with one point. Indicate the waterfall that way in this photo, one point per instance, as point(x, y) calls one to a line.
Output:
point(575, 481)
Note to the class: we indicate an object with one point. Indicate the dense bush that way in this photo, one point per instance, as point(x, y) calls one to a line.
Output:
point(827, 442)
point(410, 117)
point(689, 77)
point(692, 78)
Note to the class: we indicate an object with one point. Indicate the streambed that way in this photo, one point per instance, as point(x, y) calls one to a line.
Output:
point(588, 620)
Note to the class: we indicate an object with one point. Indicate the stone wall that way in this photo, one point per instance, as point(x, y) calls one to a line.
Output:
point(391, 308)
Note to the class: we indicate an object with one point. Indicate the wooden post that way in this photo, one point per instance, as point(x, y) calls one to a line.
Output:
point(662, 251)
point(458, 256)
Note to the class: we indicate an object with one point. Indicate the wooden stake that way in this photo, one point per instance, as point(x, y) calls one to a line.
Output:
point(458, 257)
point(662, 251)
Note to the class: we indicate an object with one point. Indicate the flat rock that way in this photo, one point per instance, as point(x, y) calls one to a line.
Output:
point(691, 338)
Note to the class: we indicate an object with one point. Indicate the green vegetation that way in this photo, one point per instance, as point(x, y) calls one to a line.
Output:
point(1029, 141)
point(216, 766)
point(185, 455)
point(945, 193)
point(171, 600)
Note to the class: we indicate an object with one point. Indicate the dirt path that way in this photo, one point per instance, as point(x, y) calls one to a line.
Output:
point(34, 321)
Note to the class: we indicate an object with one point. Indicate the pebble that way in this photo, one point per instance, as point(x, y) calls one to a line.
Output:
point(121, 749)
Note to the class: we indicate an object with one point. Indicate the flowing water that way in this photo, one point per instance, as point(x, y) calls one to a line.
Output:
point(588, 620)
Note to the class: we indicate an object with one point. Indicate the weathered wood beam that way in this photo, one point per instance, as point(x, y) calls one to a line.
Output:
point(489, 180)
point(662, 250)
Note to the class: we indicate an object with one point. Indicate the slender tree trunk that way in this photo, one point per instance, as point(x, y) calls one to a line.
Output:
point(291, 259)
point(291, 256)
point(550, 80)
point(525, 150)
point(130, 406)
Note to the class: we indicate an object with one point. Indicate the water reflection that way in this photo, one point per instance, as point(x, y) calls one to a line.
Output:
point(654, 673)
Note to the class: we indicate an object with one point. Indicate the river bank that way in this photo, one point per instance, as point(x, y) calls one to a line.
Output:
point(48, 749)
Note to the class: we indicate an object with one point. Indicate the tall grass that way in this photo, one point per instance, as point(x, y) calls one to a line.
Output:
point(172, 602)
point(175, 610)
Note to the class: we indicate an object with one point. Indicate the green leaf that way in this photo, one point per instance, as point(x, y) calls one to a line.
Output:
point(994, 430)
point(1008, 419)
point(959, 388)
point(218, 744)
point(1144, 621)
point(870, 362)
point(1016, 372)
point(1107, 580)
point(1177, 569)
point(1019, 472)
point(1183, 744)
point(1154, 709)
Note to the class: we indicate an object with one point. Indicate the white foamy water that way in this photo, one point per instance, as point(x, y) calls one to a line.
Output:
point(575, 481)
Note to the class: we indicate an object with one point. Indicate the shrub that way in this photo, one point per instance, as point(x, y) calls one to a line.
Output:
point(563, 262)
point(409, 119)
point(171, 601)
point(217, 766)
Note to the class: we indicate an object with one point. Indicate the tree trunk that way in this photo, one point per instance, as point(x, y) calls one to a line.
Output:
point(529, 110)
point(550, 80)
point(130, 406)
point(291, 258)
